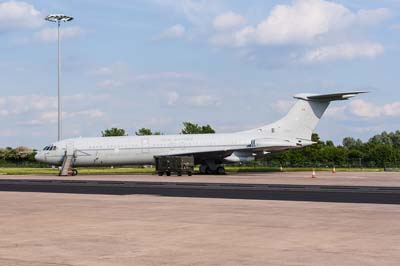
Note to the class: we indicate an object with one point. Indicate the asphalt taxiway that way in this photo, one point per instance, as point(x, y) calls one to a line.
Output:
point(327, 187)
point(50, 229)
point(322, 193)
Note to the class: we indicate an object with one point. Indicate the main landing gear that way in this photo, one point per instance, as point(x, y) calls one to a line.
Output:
point(211, 168)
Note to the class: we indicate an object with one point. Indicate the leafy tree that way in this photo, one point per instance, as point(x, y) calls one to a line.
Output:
point(191, 128)
point(11, 155)
point(329, 143)
point(351, 143)
point(2, 154)
point(383, 138)
point(113, 132)
point(395, 136)
point(23, 153)
point(146, 132)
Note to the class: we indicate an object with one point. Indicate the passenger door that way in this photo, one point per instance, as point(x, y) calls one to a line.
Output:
point(70, 148)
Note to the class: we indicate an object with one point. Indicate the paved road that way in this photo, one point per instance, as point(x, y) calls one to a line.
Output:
point(319, 193)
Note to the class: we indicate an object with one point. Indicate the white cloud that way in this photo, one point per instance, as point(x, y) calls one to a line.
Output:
point(173, 32)
point(238, 39)
point(116, 68)
point(195, 11)
point(102, 71)
point(19, 15)
point(303, 22)
point(50, 34)
point(365, 109)
point(203, 100)
point(336, 112)
point(197, 100)
point(166, 75)
point(368, 129)
point(343, 51)
point(228, 20)
point(9, 133)
point(283, 106)
point(370, 110)
point(110, 84)
point(91, 113)
point(28, 104)
point(172, 97)
point(391, 109)
point(51, 117)
point(15, 105)
point(120, 75)
point(372, 16)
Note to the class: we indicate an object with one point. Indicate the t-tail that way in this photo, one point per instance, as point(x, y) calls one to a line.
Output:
point(304, 116)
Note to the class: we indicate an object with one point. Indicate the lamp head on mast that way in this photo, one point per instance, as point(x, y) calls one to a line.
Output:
point(58, 18)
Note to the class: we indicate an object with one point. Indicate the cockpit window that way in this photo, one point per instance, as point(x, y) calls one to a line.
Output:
point(50, 148)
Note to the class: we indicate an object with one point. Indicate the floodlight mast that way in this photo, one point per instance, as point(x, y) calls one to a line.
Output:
point(58, 18)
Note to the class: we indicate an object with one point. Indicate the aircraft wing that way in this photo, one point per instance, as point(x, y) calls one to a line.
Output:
point(220, 154)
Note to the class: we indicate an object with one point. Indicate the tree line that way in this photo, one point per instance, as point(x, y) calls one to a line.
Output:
point(18, 155)
point(381, 150)
point(188, 128)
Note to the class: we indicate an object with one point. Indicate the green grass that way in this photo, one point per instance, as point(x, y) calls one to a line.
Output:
point(250, 169)
point(84, 171)
point(27, 171)
point(136, 170)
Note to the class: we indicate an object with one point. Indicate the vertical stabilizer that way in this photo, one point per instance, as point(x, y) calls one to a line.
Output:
point(304, 116)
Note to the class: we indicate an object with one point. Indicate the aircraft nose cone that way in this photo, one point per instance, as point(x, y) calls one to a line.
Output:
point(38, 157)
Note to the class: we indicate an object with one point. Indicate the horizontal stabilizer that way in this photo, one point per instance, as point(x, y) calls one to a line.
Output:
point(327, 97)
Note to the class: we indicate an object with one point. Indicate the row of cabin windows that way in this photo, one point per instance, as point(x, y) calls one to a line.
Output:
point(157, 145)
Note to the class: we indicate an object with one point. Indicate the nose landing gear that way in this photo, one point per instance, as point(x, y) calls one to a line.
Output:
point(73, 172)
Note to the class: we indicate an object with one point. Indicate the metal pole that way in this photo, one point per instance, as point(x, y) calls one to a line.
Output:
point(59, 18)
point(59, 86)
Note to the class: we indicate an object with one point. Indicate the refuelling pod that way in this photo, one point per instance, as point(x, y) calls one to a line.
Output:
point(270, 142)
point(238, 156)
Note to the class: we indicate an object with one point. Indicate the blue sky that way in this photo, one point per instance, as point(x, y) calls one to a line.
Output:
point(231, 64)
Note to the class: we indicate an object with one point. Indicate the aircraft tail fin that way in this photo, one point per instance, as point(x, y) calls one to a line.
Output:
point(304, 116)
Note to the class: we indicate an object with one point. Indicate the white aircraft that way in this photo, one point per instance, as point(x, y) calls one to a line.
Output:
point(209, 150)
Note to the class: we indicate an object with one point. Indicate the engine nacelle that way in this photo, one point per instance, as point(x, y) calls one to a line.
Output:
point(238, 156)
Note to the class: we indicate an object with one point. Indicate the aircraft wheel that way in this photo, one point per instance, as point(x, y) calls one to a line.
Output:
point(74, 172)
point(221, 170)
point(208, 171)
point(202, 169)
